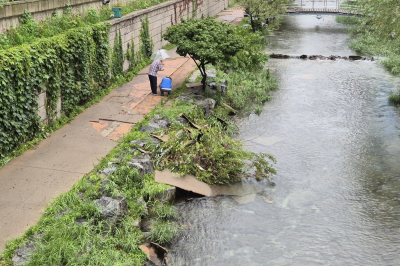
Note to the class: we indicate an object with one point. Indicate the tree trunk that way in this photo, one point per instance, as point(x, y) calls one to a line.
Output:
point(204, 74)
point(252, 23)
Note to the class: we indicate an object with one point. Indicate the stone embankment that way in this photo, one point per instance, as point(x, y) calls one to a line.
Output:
point(321, 57)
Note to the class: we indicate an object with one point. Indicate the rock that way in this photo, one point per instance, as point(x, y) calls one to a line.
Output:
point(303, 56)
point(108, 171)
point(244, 199)
point(181, 120)
point(223, 89)
point(207, 104)
point(198, 97)
point(104, 190)
point(136, 223)
point(23, 253)
point(207, 112)
point(143, 163)
point(112, 210)
point(148, 129)
point(158, 122)
point(139, 142)
point(168, 195)
point(355, 57)
point(185, 99)
point(62, 214)
point(146, 225)
point(212, 85)
point(81, 221)
point(143, 203)
point(267, 196)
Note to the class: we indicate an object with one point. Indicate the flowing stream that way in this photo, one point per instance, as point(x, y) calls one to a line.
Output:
point(336, 197)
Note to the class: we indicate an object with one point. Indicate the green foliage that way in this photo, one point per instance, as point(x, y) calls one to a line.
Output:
point(146, 46)
point(210, 154)
point(378, 31)
point(246, 88)
point(205, 40)
point(395, 97)
point(163, 232)
point(252, 57)
point(29, 30)
point(264, 11)
point(131, 56)
point(117, 58)
point(71, 64)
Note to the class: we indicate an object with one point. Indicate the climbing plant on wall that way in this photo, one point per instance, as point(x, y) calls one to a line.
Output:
point(146, 46)
point(117, 56)
point(73, 65)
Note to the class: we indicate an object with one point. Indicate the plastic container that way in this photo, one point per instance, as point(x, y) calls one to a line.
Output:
point(117, 12)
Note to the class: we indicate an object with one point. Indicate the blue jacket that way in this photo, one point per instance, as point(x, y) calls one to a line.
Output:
point(166, 83)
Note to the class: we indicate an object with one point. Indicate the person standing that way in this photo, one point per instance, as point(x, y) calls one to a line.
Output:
point(154, 68)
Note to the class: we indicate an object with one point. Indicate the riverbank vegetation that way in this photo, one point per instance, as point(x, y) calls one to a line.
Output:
point(262, 12)
point(377, 33)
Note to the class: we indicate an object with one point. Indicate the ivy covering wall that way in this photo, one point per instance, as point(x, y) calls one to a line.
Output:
point(74, 65)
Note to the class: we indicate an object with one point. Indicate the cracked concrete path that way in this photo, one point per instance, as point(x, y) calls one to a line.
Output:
point(28, 182)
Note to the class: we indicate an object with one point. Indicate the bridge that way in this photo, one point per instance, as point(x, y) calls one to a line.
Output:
point(323, 7)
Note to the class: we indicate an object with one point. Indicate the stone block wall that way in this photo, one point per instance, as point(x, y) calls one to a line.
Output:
point(40, 9)
point(161, 17)
point(42, 106)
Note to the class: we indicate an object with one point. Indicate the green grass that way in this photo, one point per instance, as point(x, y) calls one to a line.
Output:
point(394, 97)
point(30, 30)
point(169, 46)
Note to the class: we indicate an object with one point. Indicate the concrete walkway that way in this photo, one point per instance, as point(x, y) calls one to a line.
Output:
point(29, 181)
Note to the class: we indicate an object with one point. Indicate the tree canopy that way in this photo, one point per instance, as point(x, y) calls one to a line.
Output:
point(264, 11)
point(206, 41)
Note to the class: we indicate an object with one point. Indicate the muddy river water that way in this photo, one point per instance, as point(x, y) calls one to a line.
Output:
point(336, 197)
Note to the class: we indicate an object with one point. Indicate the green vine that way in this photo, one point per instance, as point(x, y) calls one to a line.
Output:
point(74, 64)
point(117, 56)
point(130, 55)
point(146, 47)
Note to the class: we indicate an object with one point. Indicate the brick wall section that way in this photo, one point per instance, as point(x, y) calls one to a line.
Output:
point(161, 17)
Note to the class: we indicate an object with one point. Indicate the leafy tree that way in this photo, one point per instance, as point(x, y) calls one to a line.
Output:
point(206, 41)
point(264, 11)
point(252, 57)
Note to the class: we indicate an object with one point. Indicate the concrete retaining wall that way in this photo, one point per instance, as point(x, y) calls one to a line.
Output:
point(161, 17)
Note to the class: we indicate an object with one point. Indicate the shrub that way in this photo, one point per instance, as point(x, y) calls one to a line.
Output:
point(395, 97)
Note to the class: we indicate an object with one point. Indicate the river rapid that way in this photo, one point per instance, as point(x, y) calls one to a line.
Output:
point(336, 197)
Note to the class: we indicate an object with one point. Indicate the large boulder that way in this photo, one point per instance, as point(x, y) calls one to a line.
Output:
point(185, 99)
point(207, 104)
point(148, 129)
point(112, 210)
point(158, 122)
point(168, 195)
point(142, 142)
point(109, 170)
point(143, 163)
point(22, 254)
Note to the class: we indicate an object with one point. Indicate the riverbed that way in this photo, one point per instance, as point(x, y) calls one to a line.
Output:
point(336, 197)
